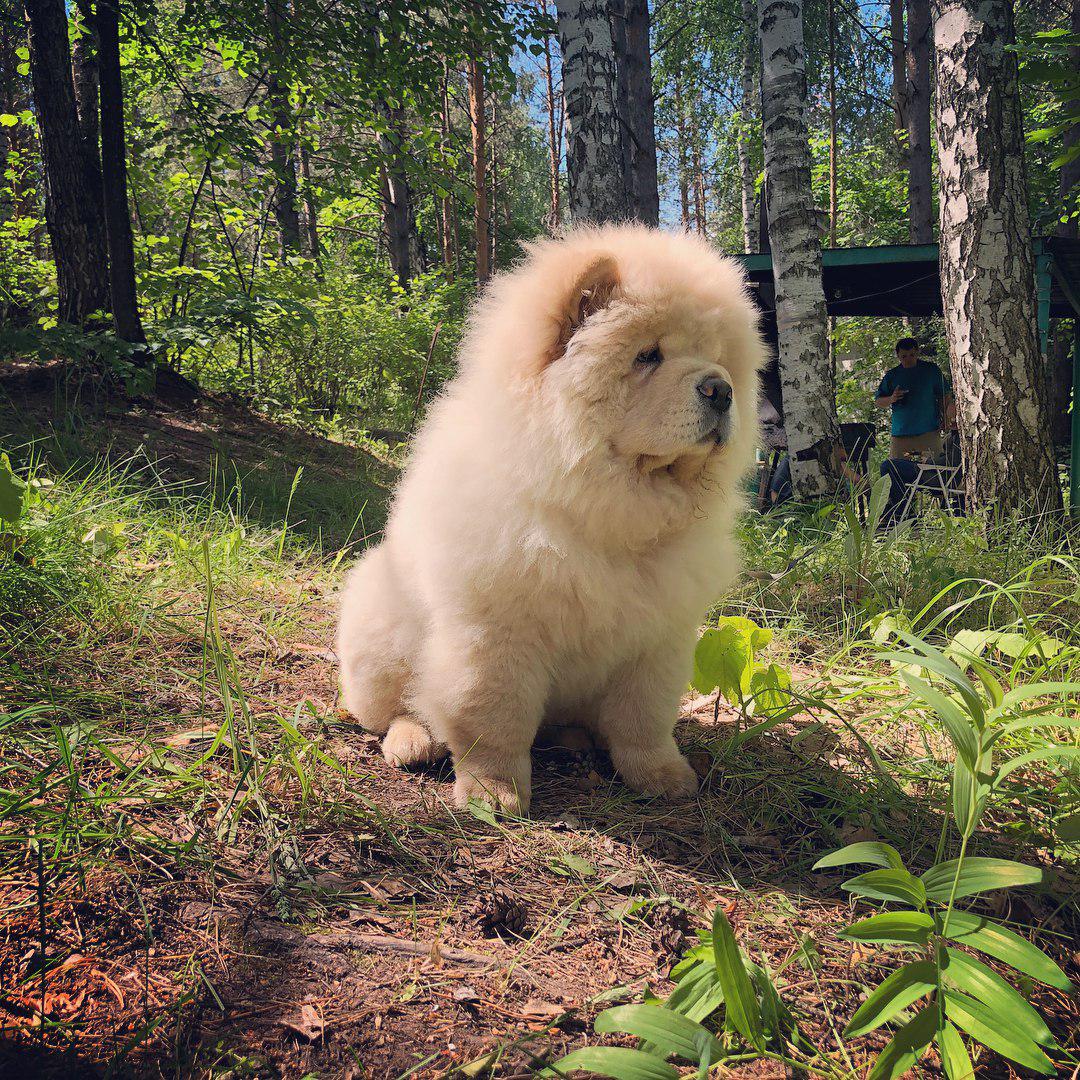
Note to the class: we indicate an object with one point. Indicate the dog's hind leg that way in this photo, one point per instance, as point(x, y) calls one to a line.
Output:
point(372, 628)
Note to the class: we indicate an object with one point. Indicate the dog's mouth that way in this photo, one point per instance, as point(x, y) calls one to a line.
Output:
point(718, 433)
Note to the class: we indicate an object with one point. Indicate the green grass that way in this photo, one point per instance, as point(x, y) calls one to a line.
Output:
point(149, 735)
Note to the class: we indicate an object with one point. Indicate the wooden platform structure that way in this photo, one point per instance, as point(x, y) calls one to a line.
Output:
point(903, 280)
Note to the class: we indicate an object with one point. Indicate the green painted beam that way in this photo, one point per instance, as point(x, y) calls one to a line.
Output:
point(860, 256)
point(1043, 284)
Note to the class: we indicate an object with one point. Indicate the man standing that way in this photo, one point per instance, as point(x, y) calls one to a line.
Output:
point(920, 398)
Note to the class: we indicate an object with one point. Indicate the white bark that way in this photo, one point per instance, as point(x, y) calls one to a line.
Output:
point(987, 276)
point(806, 374)
point(594, 151)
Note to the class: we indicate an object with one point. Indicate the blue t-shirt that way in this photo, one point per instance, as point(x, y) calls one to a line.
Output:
point(919, 411)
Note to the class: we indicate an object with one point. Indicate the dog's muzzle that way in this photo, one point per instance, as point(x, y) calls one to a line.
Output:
point(716, 396)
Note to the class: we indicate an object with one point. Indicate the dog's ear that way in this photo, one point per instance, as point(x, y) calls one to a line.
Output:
point(593, 289)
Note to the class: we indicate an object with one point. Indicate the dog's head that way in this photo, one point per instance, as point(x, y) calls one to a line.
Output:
point(631, 343)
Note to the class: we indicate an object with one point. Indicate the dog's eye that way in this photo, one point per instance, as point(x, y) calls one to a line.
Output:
point(650, 358)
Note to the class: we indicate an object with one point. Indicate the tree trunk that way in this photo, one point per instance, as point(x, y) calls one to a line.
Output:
point(917, 108)
point(698, 170)
point(396, 194)
point(899, 71)
point(282, 135)
point(590, 87)
point(125, 303)
point(84, 69)
point(75, 215)
point(554, 119)
point(806, 373)
point(477, 119)
point(446, 204)
point(747, 124)
point(987, 276)
point(833, 209)
point(683, 164)
point(493, 186)
point(640, 119)
point(311, 211)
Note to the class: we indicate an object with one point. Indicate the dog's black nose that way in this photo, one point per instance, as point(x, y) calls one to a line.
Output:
point(716, 391)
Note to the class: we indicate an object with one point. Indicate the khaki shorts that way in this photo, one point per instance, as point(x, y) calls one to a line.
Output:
point(907, 444)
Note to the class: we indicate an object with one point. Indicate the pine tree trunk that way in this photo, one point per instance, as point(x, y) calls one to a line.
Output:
point(554, 124)
point(833, 204)
point(897, 55)
point(640, 119)
point(683, 164)
point(987, 276)
point(125, 303)
point(446, 204)
point(396, 194)
point(917, 109)
point(311, 211)
point(282, 136)
point(493, 185)
point(594, 158)
point(806, 373)
point(75, 216)
point(747, 124)
point(477, 118)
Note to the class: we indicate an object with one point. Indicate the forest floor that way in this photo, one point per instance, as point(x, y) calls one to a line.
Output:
point(218, 875)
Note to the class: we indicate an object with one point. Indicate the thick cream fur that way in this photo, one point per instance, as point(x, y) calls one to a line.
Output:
point(565, 520)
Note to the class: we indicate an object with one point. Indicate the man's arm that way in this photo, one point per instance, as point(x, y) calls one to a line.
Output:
point(885, 401)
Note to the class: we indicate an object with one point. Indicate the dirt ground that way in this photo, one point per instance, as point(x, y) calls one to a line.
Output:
point(365, 928)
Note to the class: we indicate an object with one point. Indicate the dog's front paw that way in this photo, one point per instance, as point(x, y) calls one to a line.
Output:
point(410, 743)
point(506, 794)
point(659, 772)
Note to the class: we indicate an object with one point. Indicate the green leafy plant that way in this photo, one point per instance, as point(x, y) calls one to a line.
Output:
point(962, 993)
point(713, 974)
point(726, 660)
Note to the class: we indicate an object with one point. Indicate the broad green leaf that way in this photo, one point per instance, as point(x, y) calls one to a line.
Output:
point(1020, 694)
point(740, 1001)
point(978, 875)
point(618, 1062)
point(866, 851)
point(906, 1046)
point(969, 794)
point(895, 994)
point(723, 660)
point(954, 1055)
point(12, 492)
point(888, 884)
point(757, 636)
point(982, 1024)
point(698, 993)
point(978, 932)
point(962, 732)
point(1045, 754)
point(665, 1030)
point(975, 978)
point(902, 927)
point(770, 687)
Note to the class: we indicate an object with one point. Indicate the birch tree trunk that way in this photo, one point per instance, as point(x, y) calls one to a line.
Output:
point(806, 374)
point(917, 109)
point(987, 276)
point(747, 124)
point(446, 203)
point(590, 87)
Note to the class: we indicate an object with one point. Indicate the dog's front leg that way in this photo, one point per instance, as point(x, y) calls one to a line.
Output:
point(483, 695)
point(637, 716)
